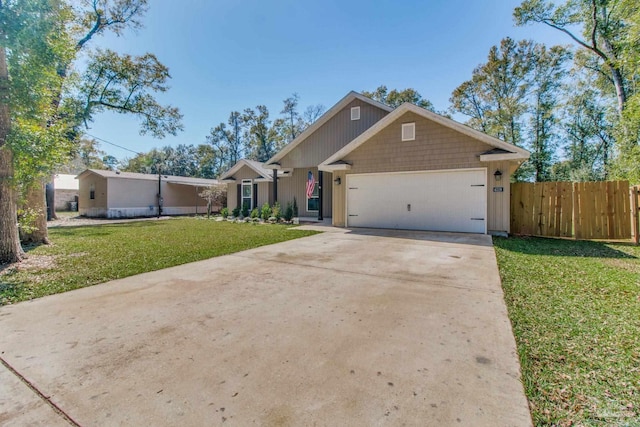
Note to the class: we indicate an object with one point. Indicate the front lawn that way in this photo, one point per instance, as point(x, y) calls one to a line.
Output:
point(85, 256)
point(575, 311)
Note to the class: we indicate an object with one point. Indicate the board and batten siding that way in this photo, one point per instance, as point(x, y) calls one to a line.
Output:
point(295, 186)
point(332, 136)
point(265, 189)
point(436, 147)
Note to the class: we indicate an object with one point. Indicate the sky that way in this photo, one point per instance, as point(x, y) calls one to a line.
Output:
point(228, 55)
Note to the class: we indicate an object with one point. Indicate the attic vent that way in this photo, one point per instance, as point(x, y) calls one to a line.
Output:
point(408, 131)
point(355, 113)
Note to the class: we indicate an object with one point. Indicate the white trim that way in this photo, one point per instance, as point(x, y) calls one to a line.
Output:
point(407, 107)
point(486, 184)
point(499, 157)
point(408, 131)
point(306, 207)
point(336, 167)
point(242, 197)
point(351, 96)
point(243, 162)
point(355, 113)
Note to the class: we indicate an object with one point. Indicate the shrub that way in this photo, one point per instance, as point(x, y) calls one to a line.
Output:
point(27, 218)
point(255, 213)
point(295, 207)
point(224, 212)
point(288, 212)
point(276, 211)
point(245, 209)
point(236, 212)
point(265, 211)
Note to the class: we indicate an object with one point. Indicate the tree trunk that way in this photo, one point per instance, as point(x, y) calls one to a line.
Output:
point(10, 249)
point(35, 199)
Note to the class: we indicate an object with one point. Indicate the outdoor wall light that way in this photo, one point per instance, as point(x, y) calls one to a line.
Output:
point(337, 181)
point(497, 175)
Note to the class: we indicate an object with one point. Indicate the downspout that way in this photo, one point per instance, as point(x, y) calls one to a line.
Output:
point(320, 218)
point(275, 186)
point(159, 194)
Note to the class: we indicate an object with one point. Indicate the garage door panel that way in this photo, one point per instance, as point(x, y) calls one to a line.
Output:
point(439, 201)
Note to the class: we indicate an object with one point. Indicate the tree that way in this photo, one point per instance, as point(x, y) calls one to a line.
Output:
point(546, 81)
point(603, 32)
point(215, 194)
point(259, 135)
point(123, 83)
point(252, 135)
point(228, 143)
point(514, 97)
point(588, 126)
point(395, 98)
point(312, 113)
point(86, 154)
point(291, 123)
point(40, 51)
point(33, 42)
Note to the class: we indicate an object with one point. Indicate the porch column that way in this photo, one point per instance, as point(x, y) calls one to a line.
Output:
point(275, 186)
point(320, 195)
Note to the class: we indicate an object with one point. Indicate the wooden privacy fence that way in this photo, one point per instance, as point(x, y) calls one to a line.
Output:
point(582, 210)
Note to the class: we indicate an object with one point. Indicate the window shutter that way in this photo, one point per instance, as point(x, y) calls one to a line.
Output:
point(255, 195)
point(239, 196)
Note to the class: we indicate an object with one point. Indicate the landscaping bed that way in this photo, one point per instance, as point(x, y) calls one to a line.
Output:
point(575, 311)
point(85, 256)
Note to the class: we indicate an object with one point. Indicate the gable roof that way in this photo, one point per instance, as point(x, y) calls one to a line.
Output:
point(507, 151)
point(351, 96)
point(172, 179)
point(257, 167)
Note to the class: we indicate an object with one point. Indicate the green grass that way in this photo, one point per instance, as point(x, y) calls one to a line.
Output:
point(575, 311)
point(85, 256)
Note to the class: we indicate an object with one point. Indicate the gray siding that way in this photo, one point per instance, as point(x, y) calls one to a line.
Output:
point(332, 136)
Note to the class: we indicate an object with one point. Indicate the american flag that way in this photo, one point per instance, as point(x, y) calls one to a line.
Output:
point(311, 184)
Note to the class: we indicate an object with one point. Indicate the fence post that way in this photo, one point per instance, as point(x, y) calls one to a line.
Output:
point(576, 212)
point(634, 212)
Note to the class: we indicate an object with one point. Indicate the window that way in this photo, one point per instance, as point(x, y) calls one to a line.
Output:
point(355, 113)
point(247, 194)
point(313, 202)
point(92, 191)
point(408, 131)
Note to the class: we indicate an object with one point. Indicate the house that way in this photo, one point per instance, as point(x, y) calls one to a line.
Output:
point(66, 189)
point(115, 194)
point(378, 167)
point(250, 184)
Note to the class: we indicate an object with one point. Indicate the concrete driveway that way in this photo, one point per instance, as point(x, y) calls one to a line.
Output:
point(342, 328)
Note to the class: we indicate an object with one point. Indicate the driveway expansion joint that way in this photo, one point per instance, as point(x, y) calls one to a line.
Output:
point(46, 399)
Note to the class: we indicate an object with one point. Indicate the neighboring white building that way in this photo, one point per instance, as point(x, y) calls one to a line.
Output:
point(115, 194)
point(66, 191)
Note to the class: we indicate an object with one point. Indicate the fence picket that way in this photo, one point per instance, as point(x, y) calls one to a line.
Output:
point(583, 210)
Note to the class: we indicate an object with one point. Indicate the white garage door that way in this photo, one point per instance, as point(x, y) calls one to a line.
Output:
point(438, 201)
